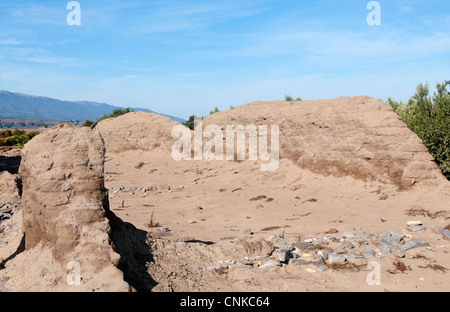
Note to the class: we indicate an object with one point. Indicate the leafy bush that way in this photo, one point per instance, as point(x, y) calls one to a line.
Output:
point(190, 123)
point(289, 98)
point(215, 110)
point(117, 112)
point(88, 123)
point(16, 137)
point(429, 117)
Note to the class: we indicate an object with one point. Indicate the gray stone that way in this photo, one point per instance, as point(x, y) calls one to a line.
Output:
point(323, 268)
point(282, 255)
point(415, 228)
point(348, 235)
point(259, 206)
point(270, 264)
point(217, 267)
point(415, 243)
point(323, 255)
point(335, 258)
point(319, 261)
point(446, 235)
point(391, 238)
point(436, 230)
point(197, 207)
point(369, 254)
point(237, 266)
point(365, 236)
point(280, 243)
point(398, 252)
point(3, 244)
point(262, 259)
point(296, 262)
point(6, 209)
point(304, 246)
point(383, 248)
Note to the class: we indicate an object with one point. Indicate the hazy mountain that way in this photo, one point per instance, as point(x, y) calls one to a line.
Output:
point(24, 106)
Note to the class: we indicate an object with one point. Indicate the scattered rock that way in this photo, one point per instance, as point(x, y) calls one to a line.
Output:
point(369, 254)
point(446, 235)
point(282, 255)
point(413, 223)
point(415, 243)
point(348, 235)
point(391, 238)
point(336, 258)
point(270, 264)
point(415, 228)
point(383, 249)
point(323, 268)
point(280, 243)
point(398, 252)
point(304, 246)
point(356, 260)
point(436, 230)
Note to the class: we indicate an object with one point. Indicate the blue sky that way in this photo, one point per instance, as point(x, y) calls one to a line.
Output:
point(186, 57)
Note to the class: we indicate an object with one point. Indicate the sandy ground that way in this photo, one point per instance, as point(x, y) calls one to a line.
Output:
point(347, 165)
point(297, 203)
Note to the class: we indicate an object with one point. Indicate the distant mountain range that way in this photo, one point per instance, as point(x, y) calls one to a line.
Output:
point(24, 106)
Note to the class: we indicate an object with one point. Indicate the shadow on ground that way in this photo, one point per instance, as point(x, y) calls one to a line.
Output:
point(131, 244)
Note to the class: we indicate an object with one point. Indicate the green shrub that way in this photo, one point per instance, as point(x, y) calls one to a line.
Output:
point(429, 117)
point(88, 123)
point(16, 137)
point(215, 110)
point(116, 113)
point(190, 123)
point(289, 98)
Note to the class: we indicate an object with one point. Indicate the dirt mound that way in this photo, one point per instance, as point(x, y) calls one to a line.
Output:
point(65, 207)
point(136, 131)
point(10, 185)
point(359, 137)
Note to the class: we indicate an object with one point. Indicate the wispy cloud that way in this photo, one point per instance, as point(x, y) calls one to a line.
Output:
point(11, 41)
point(34, 55)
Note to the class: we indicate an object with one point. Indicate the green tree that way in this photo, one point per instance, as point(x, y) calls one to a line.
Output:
point(117, 112)
point(88, 123)
point(215, 110)
point(429, 117)
point(190, 123)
